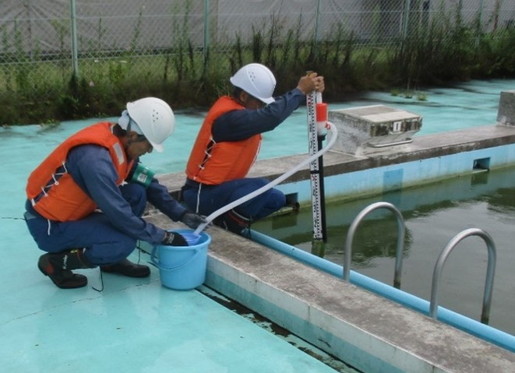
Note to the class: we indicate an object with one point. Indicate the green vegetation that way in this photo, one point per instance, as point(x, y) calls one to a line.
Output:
point(43, 89)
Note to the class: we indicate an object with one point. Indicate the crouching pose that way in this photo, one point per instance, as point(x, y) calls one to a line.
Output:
point(85, 200)
point(228, 143)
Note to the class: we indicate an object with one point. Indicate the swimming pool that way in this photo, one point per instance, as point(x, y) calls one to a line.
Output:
point(433, 213)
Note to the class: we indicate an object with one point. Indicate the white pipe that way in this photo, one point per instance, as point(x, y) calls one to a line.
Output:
point(271, 184)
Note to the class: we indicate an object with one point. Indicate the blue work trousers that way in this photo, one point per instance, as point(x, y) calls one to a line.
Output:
point(103, 242)
point(205, 199)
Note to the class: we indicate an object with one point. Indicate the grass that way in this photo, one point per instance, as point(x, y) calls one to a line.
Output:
point(44, 89)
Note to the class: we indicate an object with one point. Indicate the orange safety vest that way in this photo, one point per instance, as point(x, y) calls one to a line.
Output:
point(213, 163)
point(51, 189)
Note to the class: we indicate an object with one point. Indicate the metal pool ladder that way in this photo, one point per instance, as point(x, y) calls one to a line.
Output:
point(490, 272)
point(401, 229)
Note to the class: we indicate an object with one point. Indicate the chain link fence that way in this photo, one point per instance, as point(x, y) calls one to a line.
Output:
point(43, 43)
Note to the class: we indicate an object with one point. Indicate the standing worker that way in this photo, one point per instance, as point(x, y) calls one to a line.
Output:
point(85, 200)
point(228, 144)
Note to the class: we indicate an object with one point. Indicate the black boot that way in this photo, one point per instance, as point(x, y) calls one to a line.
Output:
point(127, 268)
point(58, 267)
point(233, 222)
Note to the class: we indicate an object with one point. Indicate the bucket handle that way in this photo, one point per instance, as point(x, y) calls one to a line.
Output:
point(154, 260)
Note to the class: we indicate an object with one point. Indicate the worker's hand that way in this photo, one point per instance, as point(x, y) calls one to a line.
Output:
point(311, 82)
point(193, 220)
point(174, 239)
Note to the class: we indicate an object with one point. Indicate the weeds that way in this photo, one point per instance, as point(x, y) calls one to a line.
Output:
point(43, 89)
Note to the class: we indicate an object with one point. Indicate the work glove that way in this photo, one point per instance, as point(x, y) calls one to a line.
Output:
point(193, 220)
point(174, 239)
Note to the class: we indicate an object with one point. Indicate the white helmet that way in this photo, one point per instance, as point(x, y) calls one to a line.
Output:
point(155, 119)
point(257, 80)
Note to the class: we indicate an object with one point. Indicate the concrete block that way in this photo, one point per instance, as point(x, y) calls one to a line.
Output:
point(373, 126)
point(506, 111)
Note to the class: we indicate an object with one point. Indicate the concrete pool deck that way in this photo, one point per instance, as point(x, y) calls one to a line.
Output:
point(362, 329)
point(133, 325)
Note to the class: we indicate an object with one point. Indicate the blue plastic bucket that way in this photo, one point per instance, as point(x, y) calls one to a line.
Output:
point(182, 267)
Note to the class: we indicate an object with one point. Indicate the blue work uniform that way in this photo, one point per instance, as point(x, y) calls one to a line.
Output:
point(109, 234)
point(234, 126)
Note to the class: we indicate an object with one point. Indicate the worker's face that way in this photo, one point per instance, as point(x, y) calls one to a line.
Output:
point(250, 102)
point(137, 145)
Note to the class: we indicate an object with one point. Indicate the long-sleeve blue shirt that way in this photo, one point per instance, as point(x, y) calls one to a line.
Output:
point(242, 124)
point(92, 168)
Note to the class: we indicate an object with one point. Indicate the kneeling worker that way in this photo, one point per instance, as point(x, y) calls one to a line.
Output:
point(228, 143)
point(84, 209)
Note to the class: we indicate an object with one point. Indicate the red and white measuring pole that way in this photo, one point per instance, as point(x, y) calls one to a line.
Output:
point(317, 130)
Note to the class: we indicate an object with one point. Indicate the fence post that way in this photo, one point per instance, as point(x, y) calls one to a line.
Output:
point(479, 30)
point(405, 18)
point(206, 30)
point(75, 63)
point(317, 23)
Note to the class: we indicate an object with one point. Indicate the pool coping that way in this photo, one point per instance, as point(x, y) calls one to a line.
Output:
point(336, 162)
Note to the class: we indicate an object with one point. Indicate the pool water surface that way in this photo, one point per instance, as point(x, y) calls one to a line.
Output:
point(433, 214)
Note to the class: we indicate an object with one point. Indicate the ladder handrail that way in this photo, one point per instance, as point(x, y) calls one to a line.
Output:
point(489, 281)
point(401, 229)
